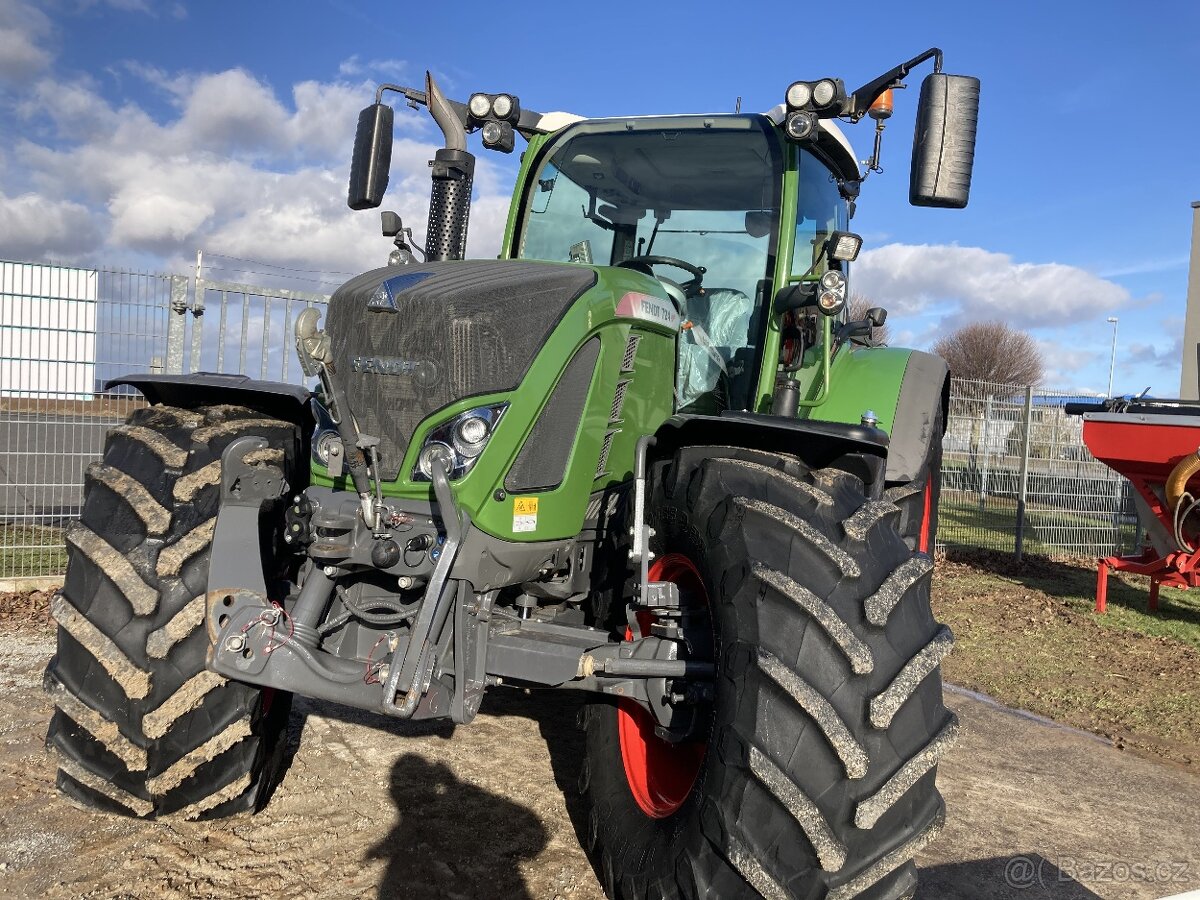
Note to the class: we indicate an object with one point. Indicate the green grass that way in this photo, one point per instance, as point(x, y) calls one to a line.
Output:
point(1073, 583)
point(31, 551)
point(993, 526)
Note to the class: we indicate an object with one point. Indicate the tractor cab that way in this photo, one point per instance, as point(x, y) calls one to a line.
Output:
point(695, 202)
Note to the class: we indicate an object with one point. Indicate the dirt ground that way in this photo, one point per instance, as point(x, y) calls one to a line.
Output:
point(377, 808)
point(1025, 634)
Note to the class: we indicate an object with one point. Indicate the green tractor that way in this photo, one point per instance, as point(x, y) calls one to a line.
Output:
point(644, 454)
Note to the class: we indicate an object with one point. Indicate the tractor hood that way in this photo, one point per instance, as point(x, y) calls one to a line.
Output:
point(410, 340)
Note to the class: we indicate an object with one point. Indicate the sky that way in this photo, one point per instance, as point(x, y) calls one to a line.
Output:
point(136, 132)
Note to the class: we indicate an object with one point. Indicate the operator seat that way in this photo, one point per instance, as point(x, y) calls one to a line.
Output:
point(720, 320)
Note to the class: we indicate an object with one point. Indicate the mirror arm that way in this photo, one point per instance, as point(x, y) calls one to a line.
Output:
point(860, 101)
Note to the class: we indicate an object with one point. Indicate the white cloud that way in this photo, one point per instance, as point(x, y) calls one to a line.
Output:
point(976, 285)
point(23, 30)
point(234, 169)
point(1060, 359)
point(1167, 357)
point(377, 69)
point(35, 228)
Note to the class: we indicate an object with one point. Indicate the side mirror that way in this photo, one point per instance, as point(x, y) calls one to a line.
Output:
point(372, 157)
point(944, 141)
point(877, 316)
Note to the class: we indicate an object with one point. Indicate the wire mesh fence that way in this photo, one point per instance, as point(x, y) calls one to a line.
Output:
point(1016, 475)
point(63, 333)
point(66, 331)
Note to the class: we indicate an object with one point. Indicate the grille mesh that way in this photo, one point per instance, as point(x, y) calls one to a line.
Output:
point(614, 414)
point(542, 462)
point(471, 327)
point(631, 347)
point(602, 463)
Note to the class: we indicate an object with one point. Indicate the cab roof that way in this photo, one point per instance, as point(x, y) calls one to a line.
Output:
point(830, 140)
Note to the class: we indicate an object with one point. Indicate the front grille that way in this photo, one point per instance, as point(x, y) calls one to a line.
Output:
point(467, 327)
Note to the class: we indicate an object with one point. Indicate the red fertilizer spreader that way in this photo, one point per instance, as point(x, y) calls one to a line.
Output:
point(1156, 445)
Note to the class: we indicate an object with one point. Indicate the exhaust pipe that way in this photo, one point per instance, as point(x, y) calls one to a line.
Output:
point(453, 174)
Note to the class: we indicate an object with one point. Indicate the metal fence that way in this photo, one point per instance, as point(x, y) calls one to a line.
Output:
point(64, 332)
point(1016, 476)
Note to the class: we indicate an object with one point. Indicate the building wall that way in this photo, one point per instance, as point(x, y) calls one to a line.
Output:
point(47, 331)
point(1189, 389)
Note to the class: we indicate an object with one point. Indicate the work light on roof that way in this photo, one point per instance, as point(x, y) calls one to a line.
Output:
point(502, 106)
point(798, 94)
point(480, 105)
point(801, 126)
point(826, 97)
point(823, 92)
point(498, 136)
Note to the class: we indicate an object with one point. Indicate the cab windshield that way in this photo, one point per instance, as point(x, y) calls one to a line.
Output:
point(607, 193)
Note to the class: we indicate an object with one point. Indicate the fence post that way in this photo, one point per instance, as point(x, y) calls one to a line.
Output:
point(176, 324)
point(1019, 547)
point(197, 312)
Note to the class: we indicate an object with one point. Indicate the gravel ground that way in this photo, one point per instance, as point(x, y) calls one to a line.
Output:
point(371, 807)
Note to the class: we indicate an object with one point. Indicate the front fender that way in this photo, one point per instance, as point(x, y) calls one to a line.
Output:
point(289, 402)
point(904, 388)
point(819, 444)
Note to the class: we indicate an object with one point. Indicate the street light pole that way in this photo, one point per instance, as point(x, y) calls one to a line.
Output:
point(1112, 363)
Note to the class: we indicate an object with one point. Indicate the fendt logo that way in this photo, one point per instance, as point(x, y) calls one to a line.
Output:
point(423, 372)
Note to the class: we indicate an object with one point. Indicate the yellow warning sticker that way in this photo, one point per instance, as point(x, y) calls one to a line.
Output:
point(525, 514)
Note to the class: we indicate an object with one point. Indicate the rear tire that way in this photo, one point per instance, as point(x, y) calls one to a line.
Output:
point(141, 727)
point(828, 722)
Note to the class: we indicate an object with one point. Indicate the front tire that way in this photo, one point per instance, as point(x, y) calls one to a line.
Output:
point(818, 775)
point(141, 727)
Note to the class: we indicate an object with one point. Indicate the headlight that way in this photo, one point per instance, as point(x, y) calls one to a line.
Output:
point(492, 132)
point(470, 434)
point(432, 453)
point(479, 105)
point(833, 281)
point(833, 292)
point(458, 443)
point(823, 92)
point(327, 446)
point(801, 125)
point(798, 94)
point(502, 106)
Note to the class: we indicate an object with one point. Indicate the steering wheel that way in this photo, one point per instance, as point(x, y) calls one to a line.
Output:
point(643, 264)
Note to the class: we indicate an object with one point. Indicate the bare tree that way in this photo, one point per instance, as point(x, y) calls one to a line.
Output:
point(859, 304)
point(991, 351)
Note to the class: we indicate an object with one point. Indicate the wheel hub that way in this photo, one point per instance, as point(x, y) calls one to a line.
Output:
point(661, 774)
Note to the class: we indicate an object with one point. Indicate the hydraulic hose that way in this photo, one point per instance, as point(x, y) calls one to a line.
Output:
point(1177, 481)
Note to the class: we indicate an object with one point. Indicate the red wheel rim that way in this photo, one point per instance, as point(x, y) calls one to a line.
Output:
point(927, 515)
point(661, 775)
